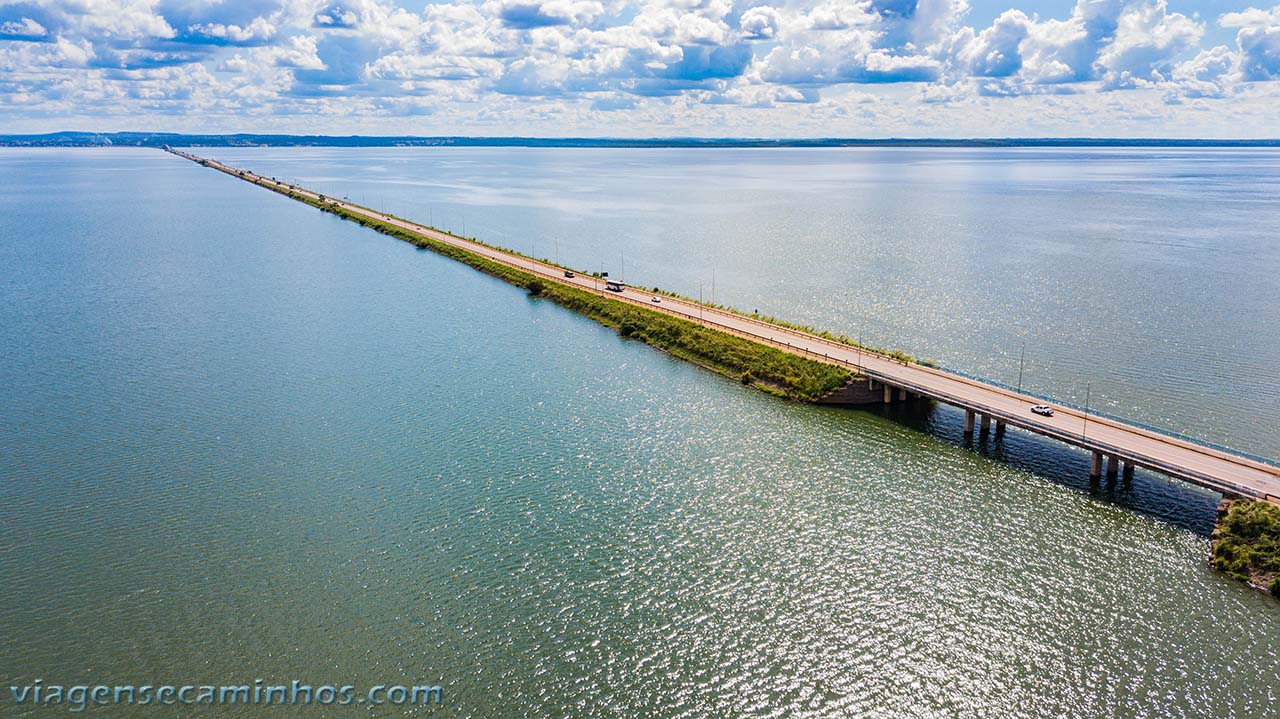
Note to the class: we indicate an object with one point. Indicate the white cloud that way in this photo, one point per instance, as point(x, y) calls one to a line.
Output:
point(528, 14)
point(25, 27)
point(760, 23)
point(666, 62)
point(1251, 17)
point(1147, 40)
point(117, 19)
point(1258, 41)
point(995, 52)
point(259, 30)
point(1205, 75)
point(1259, 52)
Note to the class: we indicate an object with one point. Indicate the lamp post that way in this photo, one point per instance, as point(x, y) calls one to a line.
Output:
point(1084, 433)
point(1022, 363)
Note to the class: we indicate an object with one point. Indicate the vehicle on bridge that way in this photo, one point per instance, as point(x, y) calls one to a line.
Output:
point(1043, 410)
point(568, 273)
point(614, 286)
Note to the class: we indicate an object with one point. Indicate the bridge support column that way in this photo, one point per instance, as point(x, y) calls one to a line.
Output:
point(1095, 470)
point(986, 425)
point(968, 421)
point(888, 394)
point(902, 395)
point(1128, 470)
point(1113, 465)
point(999, 428)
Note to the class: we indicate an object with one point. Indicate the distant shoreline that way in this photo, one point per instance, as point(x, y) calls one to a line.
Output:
point(160, 139)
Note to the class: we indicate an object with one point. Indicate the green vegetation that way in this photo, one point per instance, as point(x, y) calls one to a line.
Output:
point(843, 339)
point(897, 355)
point(1246, 544)
point(752, 363)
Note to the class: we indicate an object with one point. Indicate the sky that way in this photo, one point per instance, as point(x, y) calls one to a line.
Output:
point(644, 68)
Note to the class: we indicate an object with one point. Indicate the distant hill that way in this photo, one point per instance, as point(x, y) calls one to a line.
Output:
point(161, 139)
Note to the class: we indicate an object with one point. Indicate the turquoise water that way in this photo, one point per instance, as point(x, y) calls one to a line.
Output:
point(240, 438)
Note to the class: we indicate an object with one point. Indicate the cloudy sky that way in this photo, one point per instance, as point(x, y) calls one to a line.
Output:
point(777, 68)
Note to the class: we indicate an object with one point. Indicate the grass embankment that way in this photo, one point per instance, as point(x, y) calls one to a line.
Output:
point(1246, 544)
point(752, 363)
point(894, 354)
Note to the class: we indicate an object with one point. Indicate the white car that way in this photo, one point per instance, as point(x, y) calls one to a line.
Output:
point(1043, 410)
point(656, 299)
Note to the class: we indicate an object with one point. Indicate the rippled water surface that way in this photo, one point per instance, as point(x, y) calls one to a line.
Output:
point(240, 439)
point(1142, 281)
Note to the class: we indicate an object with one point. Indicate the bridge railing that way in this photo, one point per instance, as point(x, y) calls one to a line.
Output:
point(1094, 412)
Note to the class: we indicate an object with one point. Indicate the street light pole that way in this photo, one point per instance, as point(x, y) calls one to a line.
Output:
point(1022, 363)
point(1084, 434)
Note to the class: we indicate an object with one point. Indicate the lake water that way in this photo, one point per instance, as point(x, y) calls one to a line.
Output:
point(1144, 282)
point(243, 439)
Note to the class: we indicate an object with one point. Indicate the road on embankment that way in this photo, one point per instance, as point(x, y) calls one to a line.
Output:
point(1217, 469)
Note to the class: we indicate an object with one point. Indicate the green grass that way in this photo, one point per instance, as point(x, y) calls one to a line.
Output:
point(1247, 543)
point(752, 363)
point(894, 354)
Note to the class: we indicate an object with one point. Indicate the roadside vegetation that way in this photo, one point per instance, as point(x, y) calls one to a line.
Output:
point(894, 354)
point(752, 363)
point(1246, 544)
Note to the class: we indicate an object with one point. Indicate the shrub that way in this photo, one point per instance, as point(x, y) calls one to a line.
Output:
point(1248, 542)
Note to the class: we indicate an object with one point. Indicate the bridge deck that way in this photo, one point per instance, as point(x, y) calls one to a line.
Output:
point(1205, 466)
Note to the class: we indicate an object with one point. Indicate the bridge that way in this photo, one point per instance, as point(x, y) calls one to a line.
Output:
point(1115, 445)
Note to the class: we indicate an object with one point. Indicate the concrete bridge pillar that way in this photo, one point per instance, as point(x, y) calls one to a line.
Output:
point(1113, 465)
point(888, 394)
point(902, 395)
point(986, 425)
point(1128, 470)
point(1095, 470)
point(999, 428)
point(968, 421)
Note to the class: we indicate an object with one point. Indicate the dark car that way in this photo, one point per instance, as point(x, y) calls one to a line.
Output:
point(568, 273)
